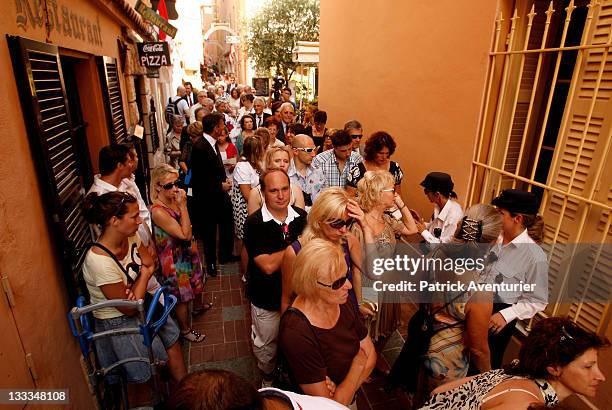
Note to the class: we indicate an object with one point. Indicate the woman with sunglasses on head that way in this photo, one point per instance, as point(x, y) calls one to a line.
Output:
point(181, 268)
point(377, 153)
point(117, 214)
point(326, 345)
point(556, 360)
point(329, 219)
point(377, 231)
point(276, 158)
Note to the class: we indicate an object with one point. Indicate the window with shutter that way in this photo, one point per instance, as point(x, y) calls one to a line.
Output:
point(39, 79)
point(557, 62)
point(111, 89)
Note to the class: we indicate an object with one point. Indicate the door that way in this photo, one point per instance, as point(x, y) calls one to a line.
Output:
point(14, 373)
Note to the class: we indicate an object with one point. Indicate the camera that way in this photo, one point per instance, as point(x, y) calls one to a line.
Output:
point(277, 85)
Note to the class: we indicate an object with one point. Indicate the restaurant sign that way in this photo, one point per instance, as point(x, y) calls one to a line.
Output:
point(153, 54)
point(148, 14)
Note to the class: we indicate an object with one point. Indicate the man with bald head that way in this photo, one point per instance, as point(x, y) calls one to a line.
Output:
point(180, 105)
point(311, 180)
point(287, 117)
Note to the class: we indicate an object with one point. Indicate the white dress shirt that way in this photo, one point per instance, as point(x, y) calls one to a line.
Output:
point(445, 219)
point(521, 260)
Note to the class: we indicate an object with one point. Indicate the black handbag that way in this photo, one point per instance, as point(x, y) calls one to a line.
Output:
point(148, 298)
point(405, 370)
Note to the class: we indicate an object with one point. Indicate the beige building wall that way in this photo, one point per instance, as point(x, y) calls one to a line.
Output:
point(415, 69)
point(37, 347)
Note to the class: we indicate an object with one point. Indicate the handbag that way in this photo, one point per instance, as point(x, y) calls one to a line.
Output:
point(148, 298)
point(405, 370)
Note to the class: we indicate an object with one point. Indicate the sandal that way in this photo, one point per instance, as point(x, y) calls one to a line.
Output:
point(193, 336)
point(202, 309)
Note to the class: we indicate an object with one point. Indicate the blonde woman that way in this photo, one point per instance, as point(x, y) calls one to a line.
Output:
point(329, 219)
point(321, 335)
point(276, 157)
point(377, 233)
point(181, 267)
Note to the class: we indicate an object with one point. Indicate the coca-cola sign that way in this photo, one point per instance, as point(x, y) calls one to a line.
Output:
point(153, 54)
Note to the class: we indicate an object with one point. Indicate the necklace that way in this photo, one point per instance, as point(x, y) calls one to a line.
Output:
point(166, 205)
point(379, 220)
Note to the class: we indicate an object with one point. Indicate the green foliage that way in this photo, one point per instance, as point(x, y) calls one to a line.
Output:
point(275, 30)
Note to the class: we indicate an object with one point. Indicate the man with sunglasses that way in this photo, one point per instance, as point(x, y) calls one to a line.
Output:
point(355, 130)
point(267, 233)
point(308, 178)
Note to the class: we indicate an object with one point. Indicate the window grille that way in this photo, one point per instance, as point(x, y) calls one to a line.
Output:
point(546, 126)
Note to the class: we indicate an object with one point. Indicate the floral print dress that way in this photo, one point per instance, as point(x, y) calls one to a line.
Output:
point(181, 268)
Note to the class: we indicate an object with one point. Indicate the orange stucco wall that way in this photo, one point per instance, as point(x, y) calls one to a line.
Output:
point(415, 69)
point(27, 255)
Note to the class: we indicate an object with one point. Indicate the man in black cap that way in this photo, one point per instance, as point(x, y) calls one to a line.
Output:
point(519, 259)
point(438, 187)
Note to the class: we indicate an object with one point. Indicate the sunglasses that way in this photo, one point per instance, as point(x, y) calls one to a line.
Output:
point(169, 185)
point(357, 137)
point(337, 284)
point(340, 223)
point(389, 190)
point(308, 150)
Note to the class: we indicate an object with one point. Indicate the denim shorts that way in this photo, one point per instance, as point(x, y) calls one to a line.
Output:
point(119, 347)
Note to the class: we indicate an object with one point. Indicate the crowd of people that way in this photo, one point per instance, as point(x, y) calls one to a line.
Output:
point(304, 210)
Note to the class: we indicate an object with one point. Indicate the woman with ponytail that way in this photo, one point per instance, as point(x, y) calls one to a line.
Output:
point(520, 259)
point(117, 214)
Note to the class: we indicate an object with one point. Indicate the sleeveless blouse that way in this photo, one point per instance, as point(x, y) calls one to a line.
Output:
point(472, 394)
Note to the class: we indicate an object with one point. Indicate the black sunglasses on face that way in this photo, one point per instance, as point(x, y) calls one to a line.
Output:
point(169, 185)
point(308, 150)
point(339, 223)
point(337, 284)
point(357, 136)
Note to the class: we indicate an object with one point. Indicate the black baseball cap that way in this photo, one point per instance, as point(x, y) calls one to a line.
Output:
point(438, 182)
point(517, 202)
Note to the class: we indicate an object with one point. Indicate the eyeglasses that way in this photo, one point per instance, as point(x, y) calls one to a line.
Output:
point(356, 136)
point(388, 190)
point(340, 223)
point(169, 185)
point(308, 150)
point(337, 284)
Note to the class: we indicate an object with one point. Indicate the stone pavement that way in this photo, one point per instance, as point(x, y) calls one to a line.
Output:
point(228, 345)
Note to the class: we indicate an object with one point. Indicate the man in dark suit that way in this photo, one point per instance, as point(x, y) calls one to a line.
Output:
point(210, 189)
point(287, 117)
point(260, 116)
point(190, 96)
point(231, 85)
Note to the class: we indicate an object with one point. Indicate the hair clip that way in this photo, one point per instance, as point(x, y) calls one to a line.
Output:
point(565, 336)
point(471, 229)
